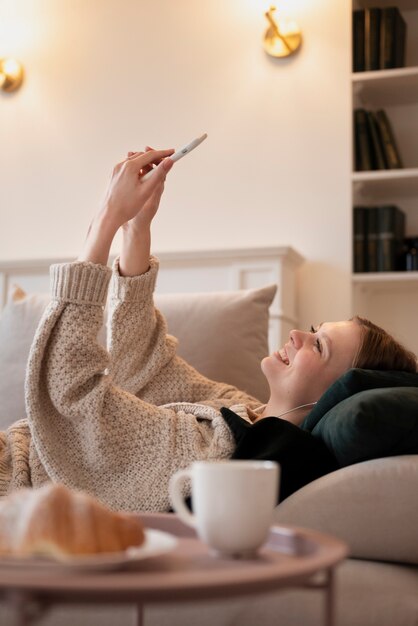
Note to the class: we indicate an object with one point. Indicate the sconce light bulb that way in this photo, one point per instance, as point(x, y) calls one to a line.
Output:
point(11, 74)
point(283, 37)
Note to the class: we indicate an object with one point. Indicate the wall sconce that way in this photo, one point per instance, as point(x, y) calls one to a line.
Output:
point(11, 74)
point(283, 37)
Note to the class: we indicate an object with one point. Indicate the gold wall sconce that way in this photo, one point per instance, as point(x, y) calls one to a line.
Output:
point(11, 74)
point(283, 37)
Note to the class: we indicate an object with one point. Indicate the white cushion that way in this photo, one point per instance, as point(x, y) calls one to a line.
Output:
point(223, 334)
point(370, 505)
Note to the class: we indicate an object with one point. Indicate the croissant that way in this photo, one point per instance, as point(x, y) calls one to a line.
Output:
point(58, 522)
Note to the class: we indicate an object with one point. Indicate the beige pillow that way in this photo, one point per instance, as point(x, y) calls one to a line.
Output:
point(223, 334)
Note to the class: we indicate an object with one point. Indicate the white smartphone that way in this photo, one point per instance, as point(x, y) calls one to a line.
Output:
point(181, 153)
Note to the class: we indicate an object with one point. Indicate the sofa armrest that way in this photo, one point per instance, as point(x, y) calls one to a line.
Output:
point(372, 506)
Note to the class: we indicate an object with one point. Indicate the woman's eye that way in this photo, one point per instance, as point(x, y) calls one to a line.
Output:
point(317, 342)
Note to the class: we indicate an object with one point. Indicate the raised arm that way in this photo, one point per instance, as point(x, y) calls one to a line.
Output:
point(143, 357)
point(137, 356)
point(144, 360)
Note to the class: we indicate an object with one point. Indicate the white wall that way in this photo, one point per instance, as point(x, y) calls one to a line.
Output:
point(107, 76)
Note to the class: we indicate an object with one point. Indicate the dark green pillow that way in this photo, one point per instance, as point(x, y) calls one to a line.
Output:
point(371, 424)
point(354, 381)
point(366, 415)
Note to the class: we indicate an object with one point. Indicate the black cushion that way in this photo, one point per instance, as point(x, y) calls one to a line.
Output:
point(371, 424)
point(302, 457)
point(354, 381)
point(367, 414)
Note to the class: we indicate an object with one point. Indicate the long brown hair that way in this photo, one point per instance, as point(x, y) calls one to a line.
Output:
point(380, 351)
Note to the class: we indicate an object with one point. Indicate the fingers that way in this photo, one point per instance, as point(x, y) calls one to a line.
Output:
point(161, 171)
point(141, 159)
point(143, 162)
point(151, 182)
point(132, 153)
point(150, 167)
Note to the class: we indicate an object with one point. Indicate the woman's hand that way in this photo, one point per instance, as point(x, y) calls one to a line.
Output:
point(136, 232)
point(126, 198)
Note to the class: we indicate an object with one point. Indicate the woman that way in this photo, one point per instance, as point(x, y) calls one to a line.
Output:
point(118, 424)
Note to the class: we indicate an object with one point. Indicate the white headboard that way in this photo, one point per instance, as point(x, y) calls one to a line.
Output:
point(208, 270)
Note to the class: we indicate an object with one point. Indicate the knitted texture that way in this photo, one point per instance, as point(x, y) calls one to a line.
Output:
point(115, 423)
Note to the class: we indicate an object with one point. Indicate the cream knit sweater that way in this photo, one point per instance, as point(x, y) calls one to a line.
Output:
point(118, 423)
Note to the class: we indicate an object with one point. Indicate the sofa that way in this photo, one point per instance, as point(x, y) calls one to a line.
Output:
point(370, 501)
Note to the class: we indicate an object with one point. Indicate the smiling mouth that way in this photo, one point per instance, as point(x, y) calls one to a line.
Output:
point(282, 356)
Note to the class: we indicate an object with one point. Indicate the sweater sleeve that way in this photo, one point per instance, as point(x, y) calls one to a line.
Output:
point(88, 432)
point(143, 356)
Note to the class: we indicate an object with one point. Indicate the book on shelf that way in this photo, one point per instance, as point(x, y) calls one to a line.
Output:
point(390, 238)
point(411, 254)
point(364, 239)
point(359, 239)
point(390, 148)
point(372, 38)
point(375, 147)
point(358, 40)
point(392, 38)
point(378, 38)
point(362, 146)
point(371, 239)
point(378, 238)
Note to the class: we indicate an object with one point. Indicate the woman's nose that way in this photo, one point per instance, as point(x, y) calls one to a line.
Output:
point(297, 337)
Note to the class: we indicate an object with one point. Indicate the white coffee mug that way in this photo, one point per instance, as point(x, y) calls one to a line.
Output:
point(233, 503)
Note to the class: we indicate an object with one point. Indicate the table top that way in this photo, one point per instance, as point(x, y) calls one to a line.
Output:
point(189, 571)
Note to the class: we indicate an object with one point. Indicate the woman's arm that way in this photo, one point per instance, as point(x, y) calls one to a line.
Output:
point(90, 434)
point(143, 356)
point(144, 361)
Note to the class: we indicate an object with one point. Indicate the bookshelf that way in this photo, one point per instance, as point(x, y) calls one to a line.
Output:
point(391, 298)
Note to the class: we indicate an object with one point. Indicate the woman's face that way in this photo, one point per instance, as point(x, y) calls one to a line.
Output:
point(311, 361)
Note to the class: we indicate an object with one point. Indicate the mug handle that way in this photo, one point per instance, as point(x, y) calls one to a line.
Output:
point(177, 500)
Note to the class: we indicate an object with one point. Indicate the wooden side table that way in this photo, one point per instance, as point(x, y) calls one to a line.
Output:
point(291, 558)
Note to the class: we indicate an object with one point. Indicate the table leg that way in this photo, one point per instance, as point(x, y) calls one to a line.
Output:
point(26, 609)
point(329, 599)
point(139, 615)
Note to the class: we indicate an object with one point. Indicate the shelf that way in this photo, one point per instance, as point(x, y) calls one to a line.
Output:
point(375, 281)
point(403, 5)
point(381, 183)
point(380, 277)
point(386, 87)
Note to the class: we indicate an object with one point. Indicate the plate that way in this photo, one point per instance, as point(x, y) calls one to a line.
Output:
point(156, 543)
